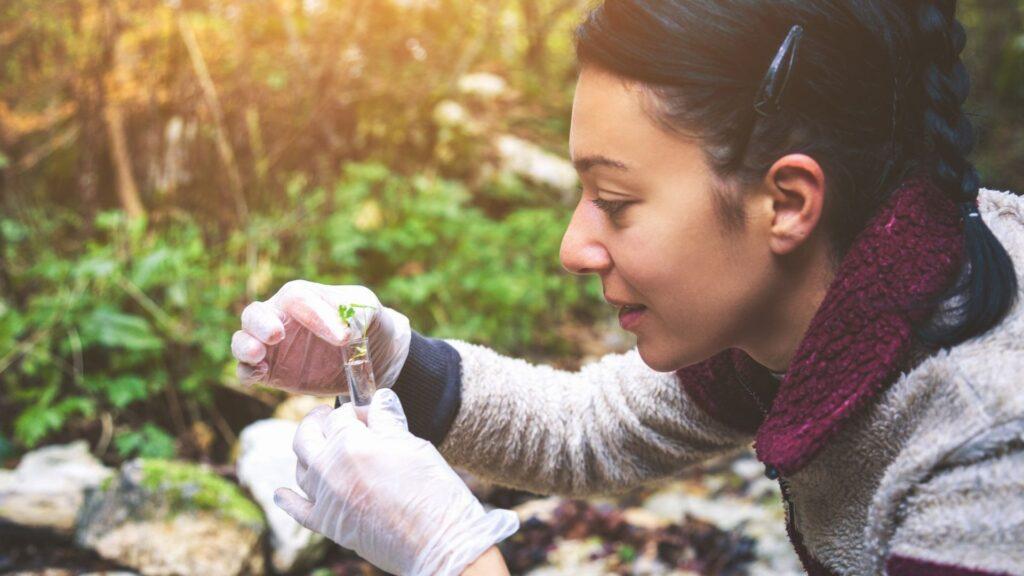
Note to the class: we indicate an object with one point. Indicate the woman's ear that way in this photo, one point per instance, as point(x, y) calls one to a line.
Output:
point(796, 189)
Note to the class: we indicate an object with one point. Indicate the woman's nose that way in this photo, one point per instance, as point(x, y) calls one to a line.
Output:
point(581, 251)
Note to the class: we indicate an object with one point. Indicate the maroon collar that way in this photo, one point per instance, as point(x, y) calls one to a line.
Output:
point(859, 340)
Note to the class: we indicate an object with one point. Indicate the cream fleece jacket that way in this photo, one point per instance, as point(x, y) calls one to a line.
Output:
point(927, 479)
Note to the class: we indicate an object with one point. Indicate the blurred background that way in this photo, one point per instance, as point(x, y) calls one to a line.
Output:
point(163, 163)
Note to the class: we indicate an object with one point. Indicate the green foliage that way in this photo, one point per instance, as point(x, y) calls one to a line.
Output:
point(148, 442)
point(627, 553)
point(112, 314)
point(117, 314)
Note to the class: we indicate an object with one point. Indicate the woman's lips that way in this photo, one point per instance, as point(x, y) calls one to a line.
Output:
point(630, 316)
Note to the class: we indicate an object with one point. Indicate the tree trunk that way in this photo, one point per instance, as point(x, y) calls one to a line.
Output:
point(113, 119)
point(127, 192)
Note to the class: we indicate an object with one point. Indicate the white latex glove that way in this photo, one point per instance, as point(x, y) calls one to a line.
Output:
point(389, 496)
point(293, 341)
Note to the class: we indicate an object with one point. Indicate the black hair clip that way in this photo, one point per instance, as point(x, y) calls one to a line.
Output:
point(769, 95)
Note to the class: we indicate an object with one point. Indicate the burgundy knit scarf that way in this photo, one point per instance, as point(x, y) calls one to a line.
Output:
point(858, 340)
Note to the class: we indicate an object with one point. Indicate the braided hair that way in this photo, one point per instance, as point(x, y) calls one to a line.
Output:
point(987, 291)
point(875, 95)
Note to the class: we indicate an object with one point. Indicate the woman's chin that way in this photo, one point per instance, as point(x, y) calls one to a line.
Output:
point(666, 360)
point(658, 360)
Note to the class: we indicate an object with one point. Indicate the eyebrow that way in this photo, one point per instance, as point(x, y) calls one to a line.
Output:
point(587, 162)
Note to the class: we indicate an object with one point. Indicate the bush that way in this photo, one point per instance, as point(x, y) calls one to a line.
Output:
point(128, 317)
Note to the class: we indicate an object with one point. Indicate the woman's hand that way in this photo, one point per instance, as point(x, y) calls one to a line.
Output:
point(389, 496)
point(293, 341)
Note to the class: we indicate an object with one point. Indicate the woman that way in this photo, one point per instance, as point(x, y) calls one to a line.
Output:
point(806, 260)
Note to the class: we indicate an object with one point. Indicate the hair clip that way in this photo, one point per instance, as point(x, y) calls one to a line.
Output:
point(769, 95)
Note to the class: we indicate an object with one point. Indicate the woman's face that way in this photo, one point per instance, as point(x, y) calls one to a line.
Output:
point(665, 247)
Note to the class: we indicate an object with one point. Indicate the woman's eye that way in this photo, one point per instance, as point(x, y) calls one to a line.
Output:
point(609, 207)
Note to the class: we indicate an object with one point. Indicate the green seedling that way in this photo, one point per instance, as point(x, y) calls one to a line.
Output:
point(347, 312)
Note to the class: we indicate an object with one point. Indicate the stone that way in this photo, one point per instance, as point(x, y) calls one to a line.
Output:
point(296, 407)
point(483, 85)
point(542, 509)
point(166, 518)
point(47, 489)
point(267, 462)
point(532, 162)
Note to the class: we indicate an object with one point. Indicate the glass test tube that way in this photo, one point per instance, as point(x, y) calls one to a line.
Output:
point(355, 356)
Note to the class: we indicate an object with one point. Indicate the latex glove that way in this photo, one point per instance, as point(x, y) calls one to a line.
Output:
point(389, 496)
point(293, 341)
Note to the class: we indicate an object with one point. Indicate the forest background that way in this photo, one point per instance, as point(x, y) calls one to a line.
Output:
point(163, 163)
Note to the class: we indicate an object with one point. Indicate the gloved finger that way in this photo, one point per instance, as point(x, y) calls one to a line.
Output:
point(249, 374)
point(264, 322)
point(309, 436)
point(245, 348)
point(343, 419)
point(386, 414)
point(309, 309)
point(294, 505)
point(301, 476)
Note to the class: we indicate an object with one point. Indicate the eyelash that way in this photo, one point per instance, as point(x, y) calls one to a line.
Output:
point(609, 207)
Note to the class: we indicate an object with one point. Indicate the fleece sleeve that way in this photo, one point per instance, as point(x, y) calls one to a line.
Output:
point(608, 427)
point(966, 519)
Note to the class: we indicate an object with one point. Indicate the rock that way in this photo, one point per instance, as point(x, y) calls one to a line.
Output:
point(483, 85)
point(532, 162)
point(643, 519)
point(47, 488)
point(165, 518)
point(266, 462)
point(574, 557)
point(748, 468)
point(451, 114)
point(296, 407)
point(542, 509)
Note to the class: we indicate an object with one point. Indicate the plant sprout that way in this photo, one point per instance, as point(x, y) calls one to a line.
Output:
point(358, 368)
point(347, 312)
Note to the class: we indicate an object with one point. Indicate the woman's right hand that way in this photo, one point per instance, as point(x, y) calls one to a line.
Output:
point(293, 341)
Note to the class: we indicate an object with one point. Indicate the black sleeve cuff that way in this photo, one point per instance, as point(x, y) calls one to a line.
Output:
point(430, 387)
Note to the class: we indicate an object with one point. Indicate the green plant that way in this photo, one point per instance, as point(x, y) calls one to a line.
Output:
point(150, 441)
point(129, 320)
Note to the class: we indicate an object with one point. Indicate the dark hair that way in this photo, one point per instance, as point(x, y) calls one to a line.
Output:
point(875, 96)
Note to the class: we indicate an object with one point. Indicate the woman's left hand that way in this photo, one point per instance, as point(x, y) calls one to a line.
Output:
point(387, 495)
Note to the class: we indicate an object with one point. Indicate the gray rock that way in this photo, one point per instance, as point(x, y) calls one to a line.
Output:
point(532, 162)
point(266, 462)
point(483, 85)
point(47, 488)
point(165, 518)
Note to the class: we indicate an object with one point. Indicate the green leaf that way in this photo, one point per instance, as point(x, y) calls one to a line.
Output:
point(124, 390)
point(12, 230)
point(627, 553)
point(150, 441)
point(150, 266)
point(35, 423)
point(114, 329)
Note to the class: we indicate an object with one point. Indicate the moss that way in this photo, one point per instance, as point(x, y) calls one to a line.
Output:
point(189, 487)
